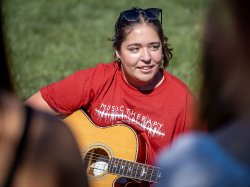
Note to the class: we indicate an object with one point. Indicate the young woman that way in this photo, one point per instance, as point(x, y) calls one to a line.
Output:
point(134, 89)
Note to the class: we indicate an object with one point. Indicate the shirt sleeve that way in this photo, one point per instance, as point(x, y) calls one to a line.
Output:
point(71, 93)
point(185, 119)
point(79, 89)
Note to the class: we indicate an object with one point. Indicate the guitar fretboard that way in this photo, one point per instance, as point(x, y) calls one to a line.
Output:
point(134, 170)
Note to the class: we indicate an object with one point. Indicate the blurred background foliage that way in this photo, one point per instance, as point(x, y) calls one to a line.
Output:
point(50, 39)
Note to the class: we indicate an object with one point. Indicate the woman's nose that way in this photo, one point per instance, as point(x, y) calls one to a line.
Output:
point(145, 56)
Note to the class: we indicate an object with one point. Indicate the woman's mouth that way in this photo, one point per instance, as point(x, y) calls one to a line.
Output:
point(146, 69)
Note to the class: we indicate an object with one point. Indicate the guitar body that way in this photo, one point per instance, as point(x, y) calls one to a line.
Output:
point(98, 145)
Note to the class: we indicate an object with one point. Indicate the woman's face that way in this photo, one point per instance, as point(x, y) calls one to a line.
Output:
point(141, 56)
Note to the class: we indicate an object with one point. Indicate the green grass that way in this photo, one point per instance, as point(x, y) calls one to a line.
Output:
point(50, 39)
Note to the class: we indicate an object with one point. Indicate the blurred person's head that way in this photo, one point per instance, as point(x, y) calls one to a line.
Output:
point(225, 91)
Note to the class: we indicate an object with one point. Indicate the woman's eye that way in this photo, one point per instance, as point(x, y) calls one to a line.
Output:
point(134, 49)
point(155, 47)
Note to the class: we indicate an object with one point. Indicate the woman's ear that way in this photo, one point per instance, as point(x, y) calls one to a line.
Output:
point(117, 54)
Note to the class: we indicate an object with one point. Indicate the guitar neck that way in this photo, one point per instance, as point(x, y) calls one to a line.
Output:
point(134, 170)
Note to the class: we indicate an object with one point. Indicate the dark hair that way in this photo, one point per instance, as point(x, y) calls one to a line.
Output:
point(123, 28)
point(225, 91)
point(5, 78)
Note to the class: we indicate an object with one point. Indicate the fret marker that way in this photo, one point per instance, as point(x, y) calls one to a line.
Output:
point(143, 171)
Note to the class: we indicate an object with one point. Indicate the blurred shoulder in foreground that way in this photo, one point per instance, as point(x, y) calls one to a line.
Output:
point(37, 149)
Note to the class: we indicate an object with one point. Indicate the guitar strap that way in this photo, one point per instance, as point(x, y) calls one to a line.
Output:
point(20, 149)
point(149, 150)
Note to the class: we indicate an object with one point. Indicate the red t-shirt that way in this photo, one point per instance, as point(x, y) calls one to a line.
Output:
point(159, 115)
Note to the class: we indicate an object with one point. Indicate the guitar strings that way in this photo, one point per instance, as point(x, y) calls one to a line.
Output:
point(106, 159)
point(152, 171)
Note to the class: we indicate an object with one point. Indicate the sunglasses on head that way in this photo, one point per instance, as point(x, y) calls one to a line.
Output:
point(133, 15)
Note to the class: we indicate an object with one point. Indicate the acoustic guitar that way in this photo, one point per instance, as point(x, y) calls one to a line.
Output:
point(110, 152)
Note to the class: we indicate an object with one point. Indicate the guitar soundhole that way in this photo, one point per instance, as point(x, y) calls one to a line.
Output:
point(96, 161)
